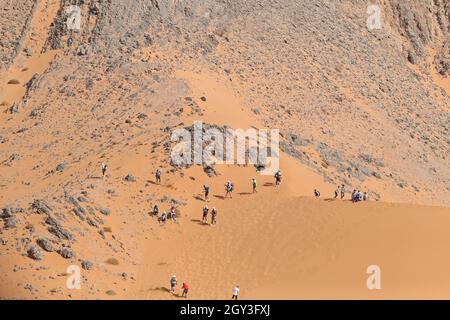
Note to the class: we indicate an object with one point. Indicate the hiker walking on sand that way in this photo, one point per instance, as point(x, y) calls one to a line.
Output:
point(278, 176)
point(359, 196)
point(158, 176)
point(342, 191)
point(205, 214)
point(354, 195)
point(206, 192)
point(229, 189)
point(316, 193)
point(213, 216)
point(173, 284)
point(254, 185)
point(172, 214)
point(104, 167)
point(365, 196)
point(163, 218)
point(235, 293)
point(337, 192)
point(185, 288)
point(155, 210)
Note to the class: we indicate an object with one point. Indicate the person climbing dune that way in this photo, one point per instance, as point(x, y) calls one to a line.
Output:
point(173, 283)
point(155, 210)
point(158, 176)
point(316, 193)
point(206, 192)
point(205, 214)
point(214, 216)
point(104, 168)
point(278, 177)
point(229, 187)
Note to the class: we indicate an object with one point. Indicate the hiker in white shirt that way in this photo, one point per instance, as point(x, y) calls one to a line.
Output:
point(235, 293)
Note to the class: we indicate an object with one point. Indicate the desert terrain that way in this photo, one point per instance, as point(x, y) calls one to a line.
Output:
point(365, 108)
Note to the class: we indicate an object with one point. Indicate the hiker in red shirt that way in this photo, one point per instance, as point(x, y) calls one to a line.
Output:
point(185, 288)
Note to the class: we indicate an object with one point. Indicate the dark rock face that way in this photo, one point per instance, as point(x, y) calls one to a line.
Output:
point(129, 178)
point(57, 229)
point(422, 24)
point(45, 244)
point(40, 207)
point(61, 167)
point(35, 253)
point(105, 211)
point(16, 21)
point(66, 253)
point(9, 212)
point(10, 223)
point(86, 264)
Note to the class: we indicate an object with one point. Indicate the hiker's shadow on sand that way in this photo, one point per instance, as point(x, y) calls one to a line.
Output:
point(329, 199)
point(245, 193)
point(199, 222)
point(95, 177)
point(219, 197)
point(269, 184)
point(163, 289)
point(168, 186)
point(198, 197)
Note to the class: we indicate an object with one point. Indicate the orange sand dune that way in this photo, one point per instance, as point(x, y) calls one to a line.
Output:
point(277, 244)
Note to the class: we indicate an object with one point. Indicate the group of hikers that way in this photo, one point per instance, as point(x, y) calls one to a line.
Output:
point(229, 188)
point(185, 288)
point(172, 215)
point(359, 196)
point(213, 215)
point(356, 196)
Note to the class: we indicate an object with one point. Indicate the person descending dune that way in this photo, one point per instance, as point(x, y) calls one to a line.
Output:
point(206, 192)
point(173, 283)
point(205, 214)
point(104, 168)
point(155, 210)
point(353, 195)
point(158, 176)
point(337, 192)
point(229, 189)
point(316, 193)
point(235, 293)
point(185, 288)
point(172, 214)
point(213, 216)
point(278, 176)
point(163, 218)
point(342, 192)
point(254, 185)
